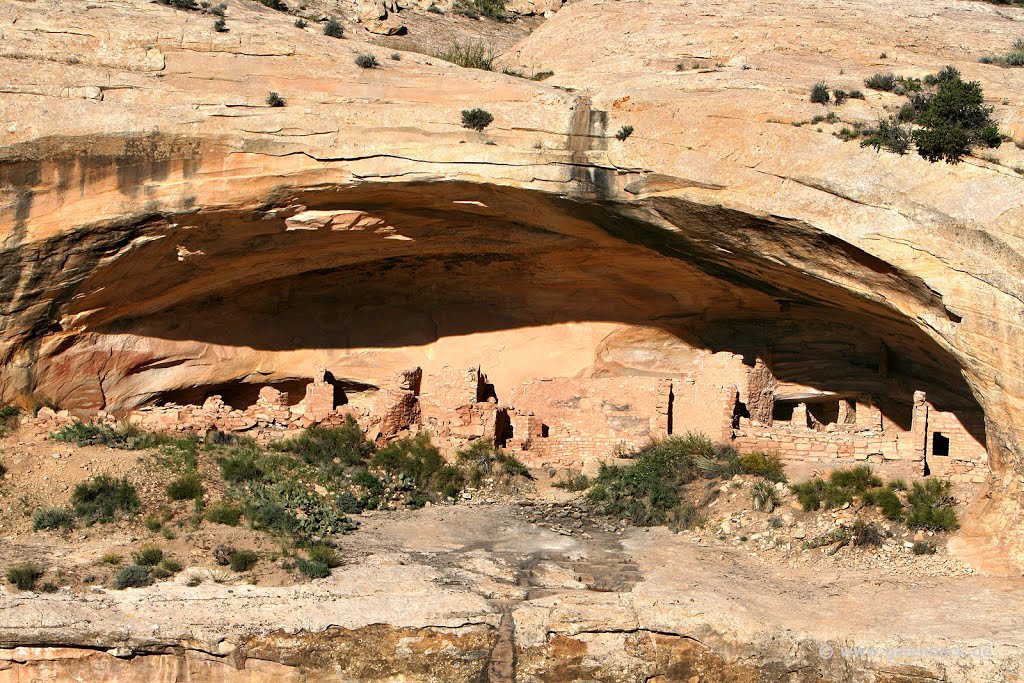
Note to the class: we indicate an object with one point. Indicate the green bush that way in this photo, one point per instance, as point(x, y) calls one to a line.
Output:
point(104, 498)
point(367, 62)
point(275, 100)
point(761, 463)
point(111, 558)
point(930, 505)
point(649, 491)
point(954, 121)
point(274, 4)
point(840, 96)
point(24, 575)
point(884, 82)
point(8, 420)
point(241, 464)
point(859, 478)
point(333, 29)
point(326, 555)
point(52, 518)
point(321, 445)
point(624, 133)
point(132, 576)
point(418, 461)
point(819, 93)
point(923, 548)
point(889, 135)
point(885, 498)
point(290, 507)
point(476, 119)
point(221, 25)
point(148, 556)
point(126, 437)
point(573, 482)
point(185, 487)
point(470, 55)
point(763, 496)
point(223, 512)
point(300, 23)
point(313, 569)
point(242, 560)
point(170, 565)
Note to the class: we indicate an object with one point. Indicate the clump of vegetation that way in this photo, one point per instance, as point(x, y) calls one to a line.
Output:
point(325, 555)
point(52, 518)
point(885, 497)
point(334, 29)
point(840, 488)
point(24, 575)
point(300, 23)
point(763, 464)
point(274, 5)
point(111, 558)
point(930, 505)
point(923, 548)
point(476, 119)
point(624, 133)
point(241, 464)
point(470, 55)
point(889, 135)
point(167, 567)
point(8, 420)
point(484, 459)
point(221, 25)
point(884, 82)
point(104, 498)
point(186, 487)
point(223, 512)
point(127, 437)
point(866, 534)
point(275, 100)
point(148, 556)
point(189, 5)
point(396, 57)
point(417, 461)
point(132, 576)
point(954, 121)
point(573, 482)
point(840, 96)
point(542, 75)
point(367, 62)
point(820, 93)
point(323, 445)
point(313, 569)
point(764, 496)
point(243, 560)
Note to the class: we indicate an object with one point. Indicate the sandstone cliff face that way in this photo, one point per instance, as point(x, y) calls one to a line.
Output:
point(163, 228)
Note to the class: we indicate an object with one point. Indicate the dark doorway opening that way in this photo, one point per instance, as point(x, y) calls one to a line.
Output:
point(940, 444)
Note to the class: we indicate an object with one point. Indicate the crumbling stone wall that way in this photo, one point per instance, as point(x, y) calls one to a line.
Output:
point(563, 422)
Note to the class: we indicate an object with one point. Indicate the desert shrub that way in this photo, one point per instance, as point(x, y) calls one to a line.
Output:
point(761, 463)
point(321, 445)
point(181, 4)
point(218, 9)
point(476, 119)
point(897, 485)
point(290, 507)
point(367, 62)
point(573, 482)
point(170, 565)
point(484, 458)
point(313, 569)
point(8, 419)
point(884, 82)
point(866, 534)
point(223, 512)
point(334, 29)
point(846, 134)
point(930, 505)
point(946, 73)
point(819, 93)
point(396, 57)
point(125, 436)
point(470, 55)
point(3, 469)
point(923, 548)
point(888, 134)
point(859, 478)
point(24, 575)
point(275, 100)
point(885, 497)
point(148, 556)
point(856, 95)
point(417, 460)
point(369, 482)
point(300, 23)
point(624, 133)
point(241, 465)
point(132, 576)
point(103, 498)
point(649, 491)
point(243, 560)
point(434, 9)
point(153, 523)
point(111, 558)
point(185, 487)
point(954, 121)
point(274, 5)
point(840, 96)
point(763, 496)
point(52, 518)
point(542, 75)
point(220, 25)
point(325, 555)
